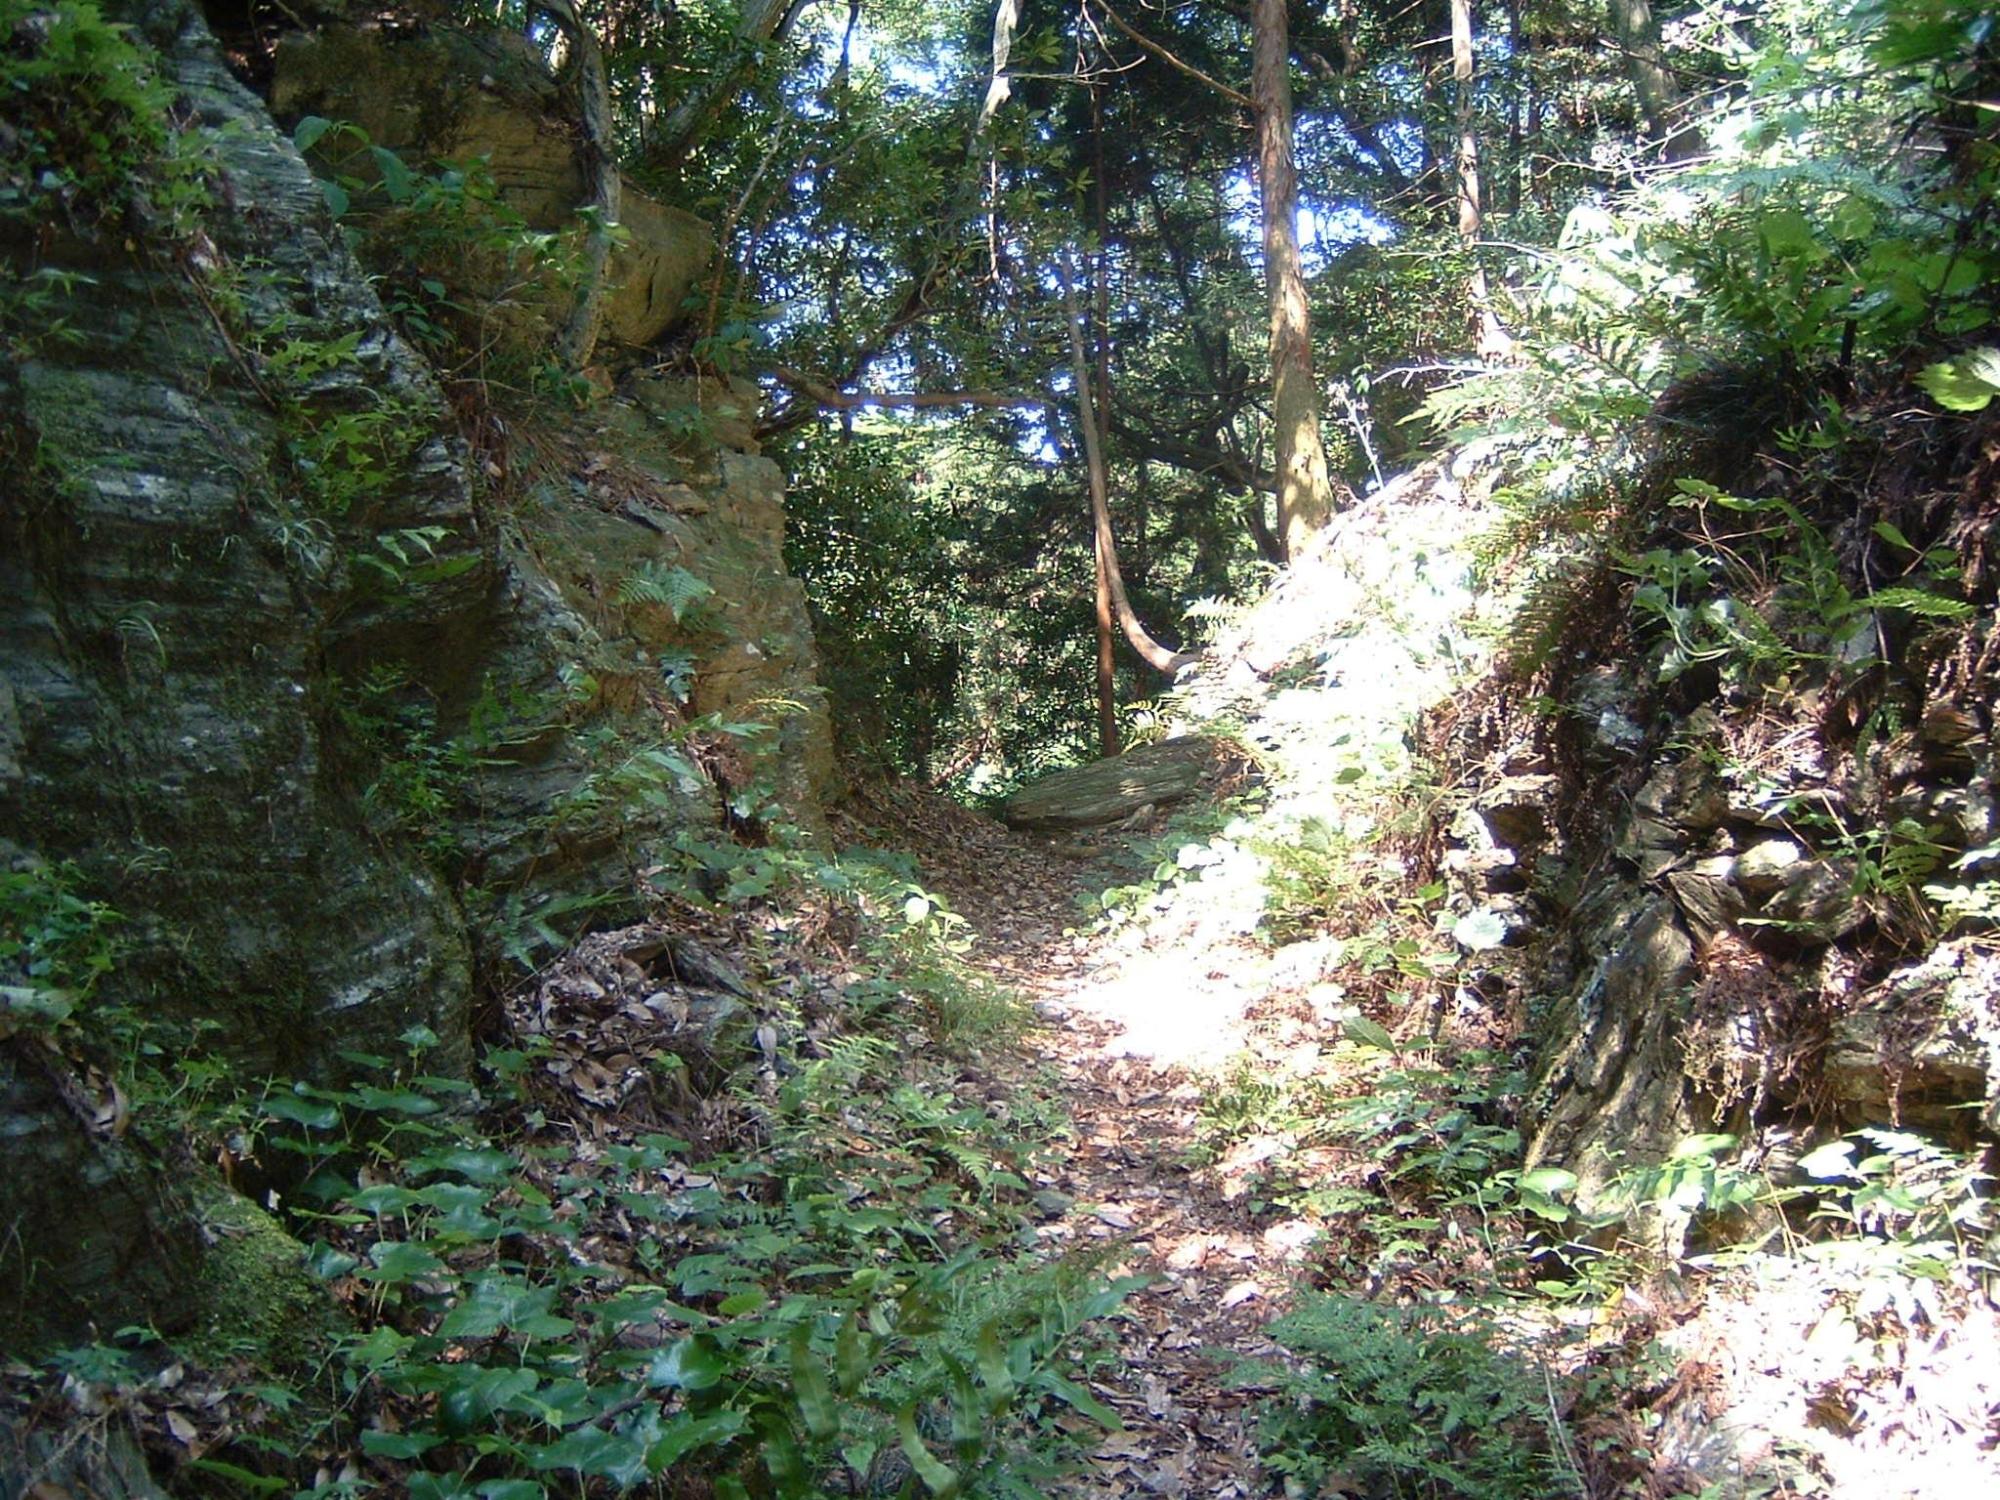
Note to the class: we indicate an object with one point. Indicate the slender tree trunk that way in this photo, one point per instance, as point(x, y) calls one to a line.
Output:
point(1156, 656)
point(1305, 493)
point(1517, 69)
point(1107, 673)
point(1637, 33)
point(1493, 341)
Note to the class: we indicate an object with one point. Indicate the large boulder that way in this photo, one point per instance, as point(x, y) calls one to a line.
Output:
point(437, 94)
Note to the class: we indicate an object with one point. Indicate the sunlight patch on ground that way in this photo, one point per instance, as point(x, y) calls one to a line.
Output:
point(1173, 1007)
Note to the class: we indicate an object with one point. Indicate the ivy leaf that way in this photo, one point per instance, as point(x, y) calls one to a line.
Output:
point(692, 1364)
point(1966, 382)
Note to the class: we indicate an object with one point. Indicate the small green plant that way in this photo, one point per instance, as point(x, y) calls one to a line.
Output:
point(676, 590)
point(56, 945)
point(1922, 1207)
point(90, 137)
point(1409, 1401)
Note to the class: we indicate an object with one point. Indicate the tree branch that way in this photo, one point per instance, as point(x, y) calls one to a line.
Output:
point(827, 395)
point(1234, 96)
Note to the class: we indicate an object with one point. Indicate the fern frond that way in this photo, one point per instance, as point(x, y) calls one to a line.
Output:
point(674, 589)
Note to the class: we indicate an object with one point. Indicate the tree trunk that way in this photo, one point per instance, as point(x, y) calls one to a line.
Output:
point(1107, 675)
point(1305, 493)
point(584, 71)
point(1637, 33)
point(1493, 342)
point(1157, 656)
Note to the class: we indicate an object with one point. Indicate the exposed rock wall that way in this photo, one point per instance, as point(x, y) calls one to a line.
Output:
point(323, 724)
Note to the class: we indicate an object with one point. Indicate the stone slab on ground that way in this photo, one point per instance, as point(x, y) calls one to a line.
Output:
point(1107, 790)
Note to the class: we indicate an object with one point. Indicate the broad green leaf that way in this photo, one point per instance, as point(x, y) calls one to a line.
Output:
point(810, 1388)
point(941, 1480)
point(1834, 1159)
point(383, 1198)
point(1553, 1182)
point(1893, 536)
point(1368, 1033)
point(307, 133)
point(685, 1434)
point(1480, 930)
point(325, 1262)
point(378, 1444)
point(694, 1363)
point(394, 1101)
point(314, 1114)
point(850, 1355)
point(1788, 235)
point(1966, 382)
point(591, 1450)
point(399, 1260)
point(397, 179)
point(1077, 1397)
point(993, 1370)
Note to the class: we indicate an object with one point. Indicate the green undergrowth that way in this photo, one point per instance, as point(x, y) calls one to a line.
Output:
point(817, 1277)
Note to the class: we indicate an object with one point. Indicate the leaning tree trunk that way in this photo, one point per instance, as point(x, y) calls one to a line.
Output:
point(584, 71)
point(1157, 656)
point(1305, 492)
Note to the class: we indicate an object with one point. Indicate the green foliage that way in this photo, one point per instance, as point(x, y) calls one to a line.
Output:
point(1965, 383)
point(674, 589)
point(830, 1310)
point(1894, 1200)
point(56, 945)
point(90, 136)
point(1416, 1401)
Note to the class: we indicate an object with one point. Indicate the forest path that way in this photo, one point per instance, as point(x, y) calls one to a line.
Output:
point(1133, 1036)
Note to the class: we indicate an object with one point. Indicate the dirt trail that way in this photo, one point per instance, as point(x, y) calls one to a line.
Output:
point(1134, 1034)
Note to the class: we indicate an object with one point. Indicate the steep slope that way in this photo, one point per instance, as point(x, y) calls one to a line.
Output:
point(325, 711)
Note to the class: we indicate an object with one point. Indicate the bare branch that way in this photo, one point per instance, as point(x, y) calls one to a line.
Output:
point(1234, 96)
point(826, 395)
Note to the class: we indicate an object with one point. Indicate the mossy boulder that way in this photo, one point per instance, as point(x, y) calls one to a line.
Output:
point(442, 94)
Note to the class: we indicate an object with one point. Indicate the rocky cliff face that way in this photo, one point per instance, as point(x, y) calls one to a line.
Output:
point(331, 708)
